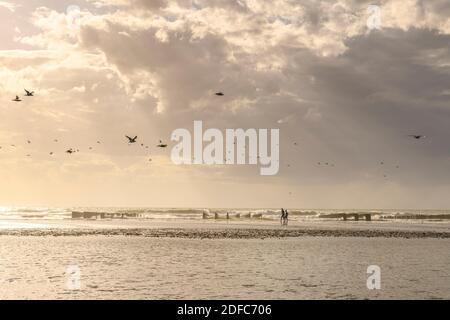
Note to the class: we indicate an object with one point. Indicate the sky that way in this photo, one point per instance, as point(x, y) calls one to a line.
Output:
point(339, 90)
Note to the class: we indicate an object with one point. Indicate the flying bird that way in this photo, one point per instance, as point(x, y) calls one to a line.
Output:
point(70, 151)
point(131, 140)
point(29, 93)
point(161, 144)
point(220, 94)
point(417, 137)
point(17, 99)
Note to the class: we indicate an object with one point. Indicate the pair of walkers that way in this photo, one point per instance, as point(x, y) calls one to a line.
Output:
point(284, 217)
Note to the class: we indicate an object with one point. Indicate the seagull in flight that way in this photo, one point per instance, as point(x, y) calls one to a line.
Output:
point(417, 137)
point(220, 94)
point(161, 144)
point(70, 151)
point(131, 140)
point(17, 99)
point(29, 93)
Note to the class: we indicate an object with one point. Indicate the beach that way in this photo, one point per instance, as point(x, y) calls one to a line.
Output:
point(166, 259)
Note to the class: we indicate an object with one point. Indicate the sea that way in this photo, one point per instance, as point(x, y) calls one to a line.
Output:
point(61, 213)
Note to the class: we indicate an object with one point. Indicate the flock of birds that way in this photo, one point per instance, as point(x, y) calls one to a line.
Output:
point(72, 150)
point(382, 163)
point(133, 140)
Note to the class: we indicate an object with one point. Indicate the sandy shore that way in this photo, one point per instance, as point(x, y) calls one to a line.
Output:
point(223, 230)
point(150, 259)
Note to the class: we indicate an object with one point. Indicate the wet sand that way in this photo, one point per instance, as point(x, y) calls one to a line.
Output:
point(195, 259)
point(224, 230)
point(136, 267)
point(226, 233)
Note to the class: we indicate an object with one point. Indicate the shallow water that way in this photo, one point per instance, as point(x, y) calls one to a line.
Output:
point(152, 268)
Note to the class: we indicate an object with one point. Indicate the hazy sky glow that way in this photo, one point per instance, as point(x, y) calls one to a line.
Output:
point(344, 94)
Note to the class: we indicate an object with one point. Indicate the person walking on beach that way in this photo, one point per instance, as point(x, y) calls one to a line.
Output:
point(282, 216)
point(286, 217)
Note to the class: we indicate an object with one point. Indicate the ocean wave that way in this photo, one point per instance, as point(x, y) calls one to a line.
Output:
point(200, 213)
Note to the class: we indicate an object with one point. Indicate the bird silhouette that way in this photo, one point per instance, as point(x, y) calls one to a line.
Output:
point(131, 140)
point(17, 99)
point(220, 94)
point(29, 93)
point(161, 144)
point(417, 137)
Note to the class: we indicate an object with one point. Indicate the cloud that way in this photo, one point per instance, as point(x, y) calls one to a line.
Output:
point(344, 94)
point(9, 5)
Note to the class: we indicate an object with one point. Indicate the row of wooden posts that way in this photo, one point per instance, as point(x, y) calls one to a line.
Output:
point(250, 215)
